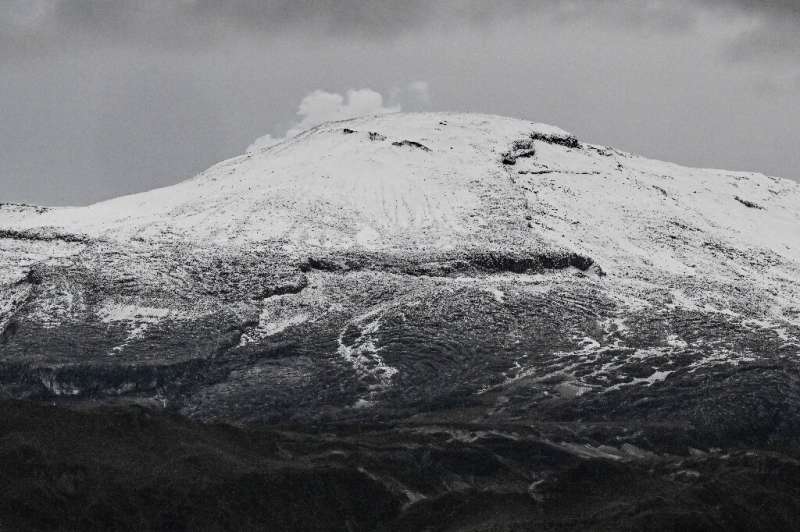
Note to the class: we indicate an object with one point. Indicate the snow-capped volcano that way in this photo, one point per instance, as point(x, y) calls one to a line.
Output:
point(480, 286)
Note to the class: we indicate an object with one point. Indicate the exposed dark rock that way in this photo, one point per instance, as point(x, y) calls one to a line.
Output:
point(661, 190)
point(748, 204)
point(568, 141)
point(42, 235)
point(448, 264)
point(411, 144)
point(35, 275)
point(38, 209)
point(520, 149)
point(522, 145)
point(534, 172)
point(525, 148)
point(290, 287)
point(511, 158)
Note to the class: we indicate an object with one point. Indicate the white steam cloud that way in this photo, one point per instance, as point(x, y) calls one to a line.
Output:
point(321, 106)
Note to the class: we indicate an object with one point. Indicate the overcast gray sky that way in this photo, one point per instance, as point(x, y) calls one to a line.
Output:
point(104, 97)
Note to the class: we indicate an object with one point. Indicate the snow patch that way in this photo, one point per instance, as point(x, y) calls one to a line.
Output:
point(138, 318)
point(367, 237)
point(498, 295)
point(364, 355)
point(675, 341)
point(112, 312)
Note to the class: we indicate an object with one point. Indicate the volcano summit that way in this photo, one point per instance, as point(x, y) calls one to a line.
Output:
point(451, 321)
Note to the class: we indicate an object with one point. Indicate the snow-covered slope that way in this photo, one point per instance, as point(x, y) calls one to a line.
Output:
point(331, 188)
point(438, 180)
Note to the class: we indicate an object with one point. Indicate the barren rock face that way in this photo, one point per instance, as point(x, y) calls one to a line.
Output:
point(465, 281)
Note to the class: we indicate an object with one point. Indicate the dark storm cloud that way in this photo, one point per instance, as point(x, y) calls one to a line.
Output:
point(50, 25)
point(47, 23)
point(771, 32)
point(771, 7)
point(35, 25)
point(777, 39)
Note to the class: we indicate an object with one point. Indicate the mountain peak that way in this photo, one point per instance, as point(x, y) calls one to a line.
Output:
point(440, 181)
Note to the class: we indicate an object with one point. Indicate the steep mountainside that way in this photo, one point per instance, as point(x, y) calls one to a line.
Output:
point(469, 285)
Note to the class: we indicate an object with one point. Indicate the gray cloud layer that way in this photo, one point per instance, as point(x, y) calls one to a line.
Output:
point(37, 25)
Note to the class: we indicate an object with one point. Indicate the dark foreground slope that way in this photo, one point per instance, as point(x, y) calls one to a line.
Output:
point(134, 469)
